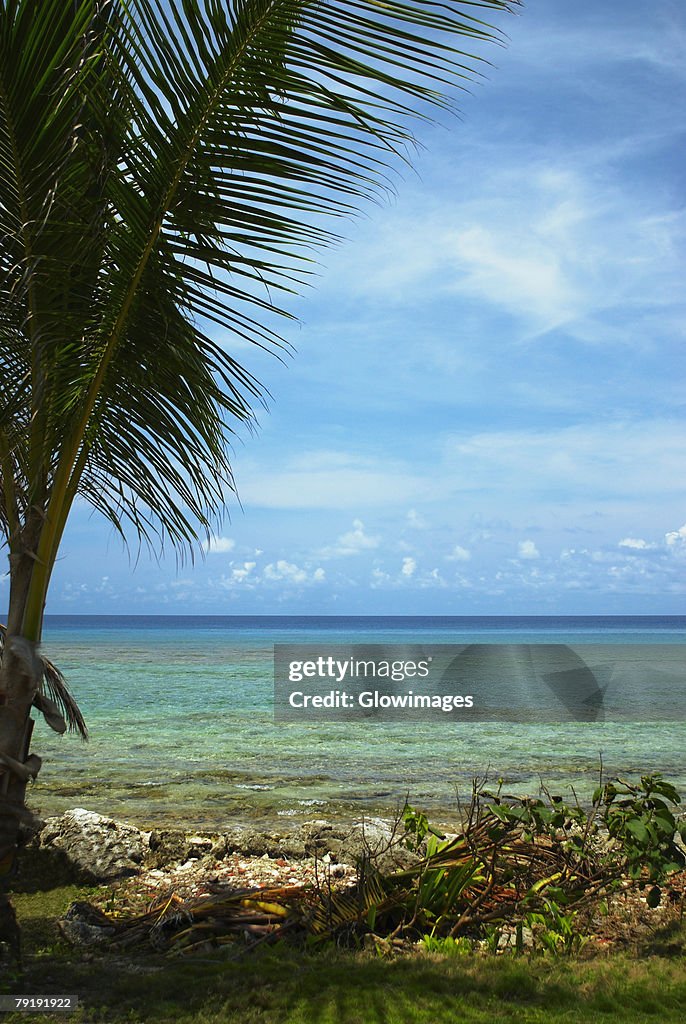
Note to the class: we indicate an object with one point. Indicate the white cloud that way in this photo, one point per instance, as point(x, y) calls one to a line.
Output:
point(284, 570)
point(406, 577)
point(247, 576)
point(528, 550)
point(416, 521)
point(379, 578)
point(240, 574)
point(432, 579)
point(604, 459)
point(549, 241)
point(675, 537)
point(627, 461)
point(218, 545)
point(351, 543)
point(636, 544)
point(644, 569)
point(330, 480)
point(573, 46)
point(528, 278)
point(460, 554)
point(288, 572)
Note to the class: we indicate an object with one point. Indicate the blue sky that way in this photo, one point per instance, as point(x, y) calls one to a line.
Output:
point(485, 411)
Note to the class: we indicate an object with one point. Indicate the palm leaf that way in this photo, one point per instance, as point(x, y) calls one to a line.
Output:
point(167, 168)
point(54, 686)
point(54, 699)
point(174, 923)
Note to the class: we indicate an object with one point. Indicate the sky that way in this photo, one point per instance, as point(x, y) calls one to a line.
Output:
point(484, 412)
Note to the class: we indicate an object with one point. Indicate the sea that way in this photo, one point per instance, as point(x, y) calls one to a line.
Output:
point(180, 711)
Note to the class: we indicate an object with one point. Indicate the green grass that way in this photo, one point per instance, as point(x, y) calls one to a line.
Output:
point(287, 986)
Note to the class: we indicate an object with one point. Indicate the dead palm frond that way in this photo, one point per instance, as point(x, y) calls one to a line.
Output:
point(54, 699)
point(174, 924)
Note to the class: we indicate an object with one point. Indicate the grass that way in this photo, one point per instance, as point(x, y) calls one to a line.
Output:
point(291, 986)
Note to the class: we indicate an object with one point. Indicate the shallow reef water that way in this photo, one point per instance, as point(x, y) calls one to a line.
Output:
point(180, 712)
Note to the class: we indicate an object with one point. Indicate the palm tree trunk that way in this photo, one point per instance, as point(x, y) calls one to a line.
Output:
point(19, 680)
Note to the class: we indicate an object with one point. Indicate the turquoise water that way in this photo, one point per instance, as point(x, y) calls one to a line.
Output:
point(180, 711)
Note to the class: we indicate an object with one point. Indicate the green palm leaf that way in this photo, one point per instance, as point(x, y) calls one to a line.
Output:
point(190, 154)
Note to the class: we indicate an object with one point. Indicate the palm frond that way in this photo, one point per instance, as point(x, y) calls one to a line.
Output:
point(167, 170)
point(54, 686)
point(54, 699)
point(192, 154)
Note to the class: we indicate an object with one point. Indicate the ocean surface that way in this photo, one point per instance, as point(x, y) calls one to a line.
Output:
point(180, 712)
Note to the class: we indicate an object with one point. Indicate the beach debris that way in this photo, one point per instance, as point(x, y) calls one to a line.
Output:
point(172, 924)
point(519, 873)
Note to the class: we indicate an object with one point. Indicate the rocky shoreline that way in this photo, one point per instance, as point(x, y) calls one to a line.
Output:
point(83, 847)
point(131, 869)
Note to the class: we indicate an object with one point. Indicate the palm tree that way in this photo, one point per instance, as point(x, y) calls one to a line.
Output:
point(167, 168)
